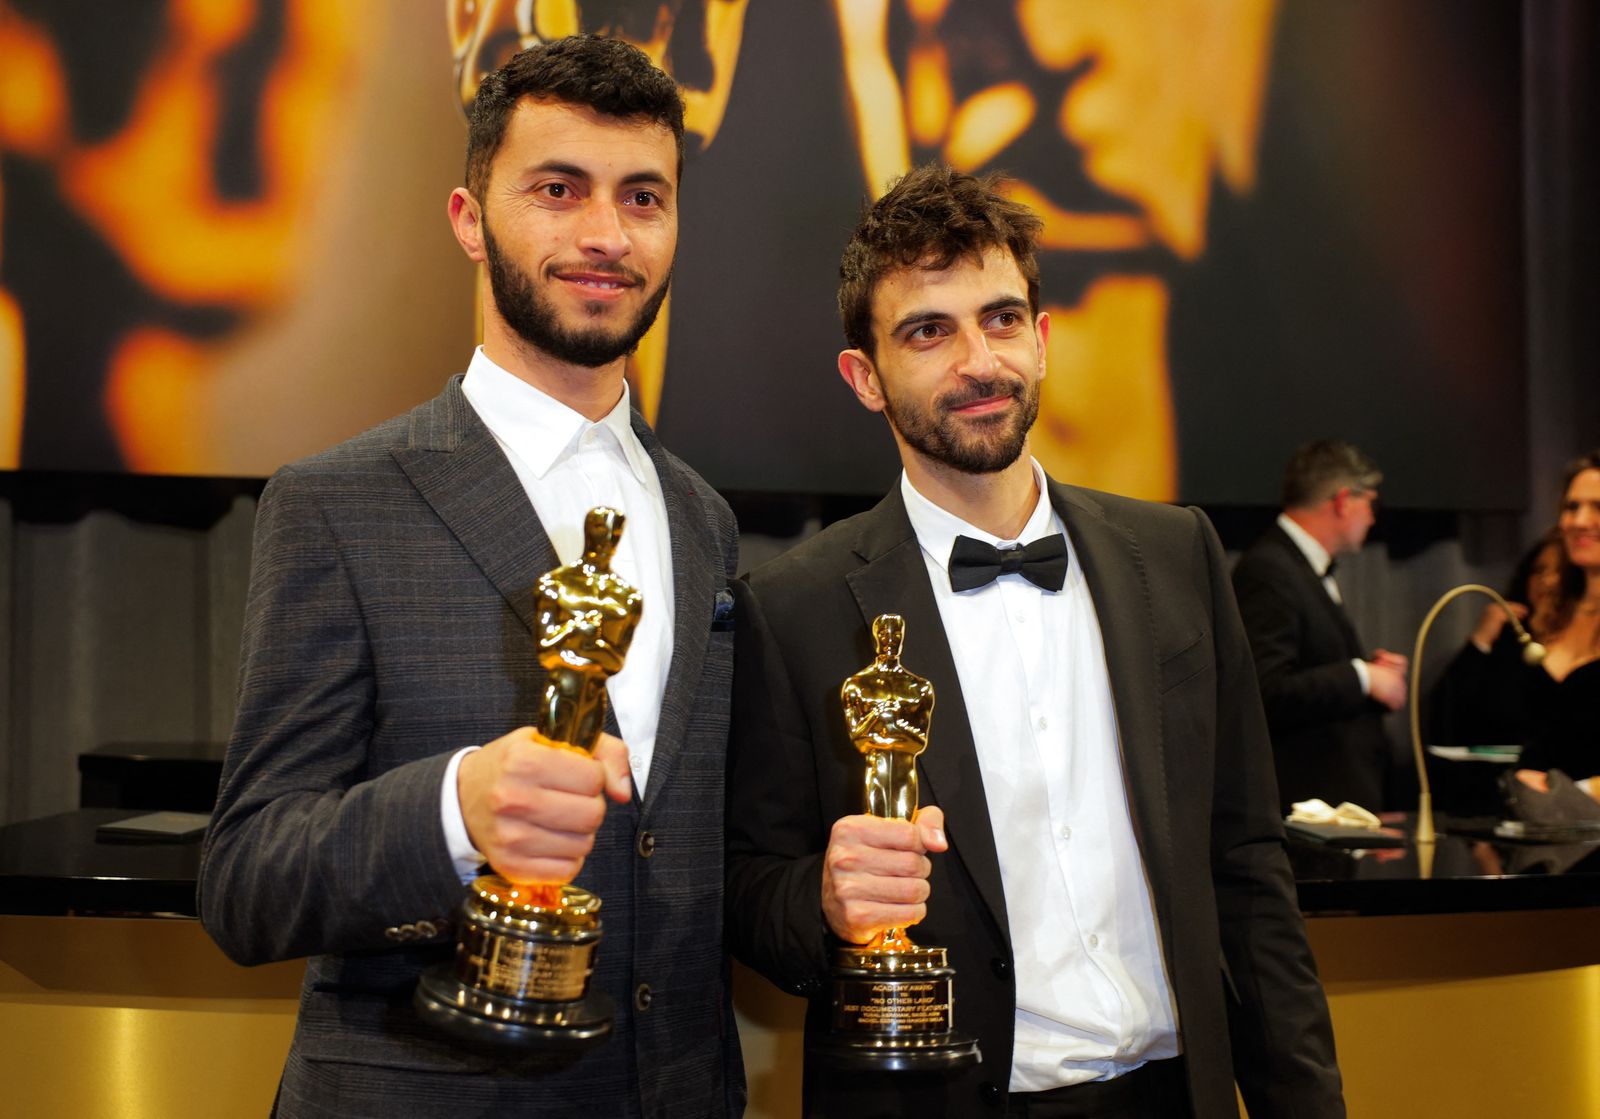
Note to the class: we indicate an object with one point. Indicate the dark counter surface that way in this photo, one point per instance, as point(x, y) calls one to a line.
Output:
point(1472, 870)
point(55, 865)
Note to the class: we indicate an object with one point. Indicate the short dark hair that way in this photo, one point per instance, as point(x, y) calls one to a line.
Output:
point(930, 216)
point(1321, 469)
point(607, 75)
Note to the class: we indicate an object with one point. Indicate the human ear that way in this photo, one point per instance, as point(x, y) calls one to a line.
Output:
point(858, 372)
point(466, 222)
point(1041, 331)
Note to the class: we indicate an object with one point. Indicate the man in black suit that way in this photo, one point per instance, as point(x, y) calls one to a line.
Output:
point(1324, 695)
point(1099, 847)
point(390, 634)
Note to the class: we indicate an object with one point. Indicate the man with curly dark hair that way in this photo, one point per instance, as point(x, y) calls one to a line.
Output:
point(1099, 848)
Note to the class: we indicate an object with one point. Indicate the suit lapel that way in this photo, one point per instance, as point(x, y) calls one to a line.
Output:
point(1115, 572)
point(894, 580)
point(459, 469)
point(697, 575)
point(1318, 593)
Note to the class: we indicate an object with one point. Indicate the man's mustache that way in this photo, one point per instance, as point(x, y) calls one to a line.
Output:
point(987, 390)
point(602, 268)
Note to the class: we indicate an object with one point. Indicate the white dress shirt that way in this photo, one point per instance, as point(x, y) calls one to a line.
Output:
point(1319, 559)
point(1093, 1000)
point(568, 465)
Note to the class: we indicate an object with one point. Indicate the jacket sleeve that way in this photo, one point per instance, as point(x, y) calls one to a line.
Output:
point(1294, 694)
point(308, 851)
point(776, 834)
point(1278, 1024)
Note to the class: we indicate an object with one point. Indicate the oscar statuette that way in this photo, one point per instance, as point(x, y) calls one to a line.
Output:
point(525, 950)
point(892, 999)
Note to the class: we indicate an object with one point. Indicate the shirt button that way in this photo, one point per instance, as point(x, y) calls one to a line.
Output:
point(636, 763)
point(1044, 722)
point(1094, 941)
point(1066, 832)
point(647, 844)
point(642, 997)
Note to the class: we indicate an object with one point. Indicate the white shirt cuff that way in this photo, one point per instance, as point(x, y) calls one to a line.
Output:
point(466, 857)
point(1361, 674)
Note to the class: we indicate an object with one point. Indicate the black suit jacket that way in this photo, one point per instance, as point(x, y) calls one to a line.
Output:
point(1198, 776)
point(389, 624)
point(1327, 737)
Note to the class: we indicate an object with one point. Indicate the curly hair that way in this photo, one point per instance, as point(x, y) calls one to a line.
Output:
point(1545, 611)
point(929, 217)
point(607, 75)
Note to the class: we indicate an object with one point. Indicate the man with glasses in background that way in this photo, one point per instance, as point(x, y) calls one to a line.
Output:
point(1325, 695)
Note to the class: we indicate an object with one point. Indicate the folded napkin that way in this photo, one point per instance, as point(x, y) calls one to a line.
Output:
point(1348, 814)
point(1564, 803)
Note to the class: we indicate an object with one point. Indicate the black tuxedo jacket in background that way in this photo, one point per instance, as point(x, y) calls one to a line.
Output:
point(1198, 775)
point(389, 624)
point(1327, 737)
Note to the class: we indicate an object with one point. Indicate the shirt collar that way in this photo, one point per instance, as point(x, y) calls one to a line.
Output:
point(938, 528)
point(1316, 555)
point(540, 429)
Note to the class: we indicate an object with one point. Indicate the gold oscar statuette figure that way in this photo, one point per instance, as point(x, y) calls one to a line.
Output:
point(520, 977)
point(892, 999)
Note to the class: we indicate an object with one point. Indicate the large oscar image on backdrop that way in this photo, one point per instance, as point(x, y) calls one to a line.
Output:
point(222, 235)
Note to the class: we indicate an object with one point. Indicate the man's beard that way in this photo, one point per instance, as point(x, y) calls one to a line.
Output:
point(526, 311)
point(984, 445)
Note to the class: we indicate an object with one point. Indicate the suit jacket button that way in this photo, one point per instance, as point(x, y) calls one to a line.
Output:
point(990, 1093)
point(642, 997)
point(1001, 968)
point(647, 844)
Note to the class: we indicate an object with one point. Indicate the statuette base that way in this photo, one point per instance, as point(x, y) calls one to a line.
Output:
point(892, 1012)
point(520, 977)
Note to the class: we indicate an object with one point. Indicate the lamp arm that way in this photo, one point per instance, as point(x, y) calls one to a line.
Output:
point(1424, 828)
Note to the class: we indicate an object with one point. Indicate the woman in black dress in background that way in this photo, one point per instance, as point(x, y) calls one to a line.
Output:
point(1489, 696)
point(1563, 699)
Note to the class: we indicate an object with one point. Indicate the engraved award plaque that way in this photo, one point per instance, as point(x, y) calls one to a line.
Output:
point(525, 951)
point(892, 998)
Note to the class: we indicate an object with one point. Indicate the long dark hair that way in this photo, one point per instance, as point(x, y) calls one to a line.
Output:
point(1545, 615)
point(1573, 577)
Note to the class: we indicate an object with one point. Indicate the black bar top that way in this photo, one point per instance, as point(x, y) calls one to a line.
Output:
point(56, 865)
point(1472, 869)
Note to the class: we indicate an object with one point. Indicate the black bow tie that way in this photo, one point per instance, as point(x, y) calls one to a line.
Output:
point(975, 564)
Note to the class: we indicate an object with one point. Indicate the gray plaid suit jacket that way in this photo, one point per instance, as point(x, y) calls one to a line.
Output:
point(389, 624)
